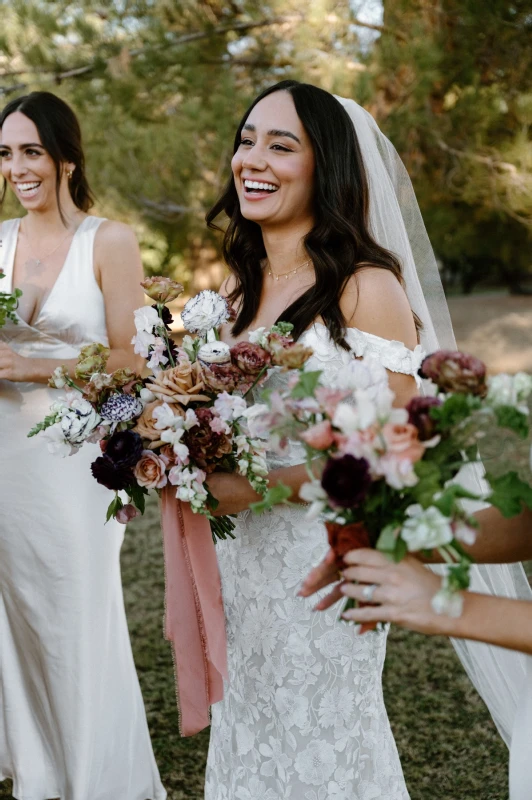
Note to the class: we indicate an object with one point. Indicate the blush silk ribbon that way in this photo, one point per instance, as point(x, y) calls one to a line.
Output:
point(194, 614)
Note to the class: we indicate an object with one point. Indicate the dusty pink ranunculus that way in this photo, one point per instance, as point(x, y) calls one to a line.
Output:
point(127, 513)
point(150, 471)
point(319, 436)
point(402, 441)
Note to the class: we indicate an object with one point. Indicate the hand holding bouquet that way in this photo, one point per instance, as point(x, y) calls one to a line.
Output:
point(390, 475)
point(8, 304)
point(186, 420)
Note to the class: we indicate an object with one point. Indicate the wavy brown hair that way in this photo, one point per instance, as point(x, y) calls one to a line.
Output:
point(60, 135)
point(339, 243)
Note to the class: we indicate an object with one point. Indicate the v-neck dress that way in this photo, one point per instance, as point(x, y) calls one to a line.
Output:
point(72, 719)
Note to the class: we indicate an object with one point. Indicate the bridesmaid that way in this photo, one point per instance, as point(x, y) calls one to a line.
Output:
point(72, 721)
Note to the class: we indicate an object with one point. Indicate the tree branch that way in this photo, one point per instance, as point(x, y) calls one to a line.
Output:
point(57, 77)
point(380, 28)
point(494, 163)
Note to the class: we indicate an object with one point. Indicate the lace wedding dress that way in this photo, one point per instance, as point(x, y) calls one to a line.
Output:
point(72, 721)
point(303, 715)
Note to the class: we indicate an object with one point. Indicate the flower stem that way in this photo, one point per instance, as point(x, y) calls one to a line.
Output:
point(257, 379)
point(160, 307)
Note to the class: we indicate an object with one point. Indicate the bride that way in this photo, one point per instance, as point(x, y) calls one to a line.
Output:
point(303, 714)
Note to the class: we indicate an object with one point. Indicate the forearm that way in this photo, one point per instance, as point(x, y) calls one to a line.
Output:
point(499, 540)
point(495, 620)
point(39, 370)
point(294, 477)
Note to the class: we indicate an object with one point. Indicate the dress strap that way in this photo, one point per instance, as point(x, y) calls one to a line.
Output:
point(393, 355)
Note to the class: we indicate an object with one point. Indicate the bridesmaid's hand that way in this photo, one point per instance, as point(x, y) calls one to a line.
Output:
point(12, 366)
point(403, 592)
point(233, 492)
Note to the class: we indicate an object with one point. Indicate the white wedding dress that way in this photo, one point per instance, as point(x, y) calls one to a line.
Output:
point(303, 716)
point(72, 720)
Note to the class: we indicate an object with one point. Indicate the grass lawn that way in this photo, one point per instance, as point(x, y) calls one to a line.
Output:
point(448, 745)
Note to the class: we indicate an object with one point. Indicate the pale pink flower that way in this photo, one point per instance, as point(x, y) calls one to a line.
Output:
point(402, 441)
point(218, 425)
point(329, 398)
point(319, 436)
point(397, 472)
point(127, 513)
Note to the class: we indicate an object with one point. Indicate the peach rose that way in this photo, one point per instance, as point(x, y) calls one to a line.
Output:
point(150, 471)
point(180, 384)
point(402, 441)
point(319, 436)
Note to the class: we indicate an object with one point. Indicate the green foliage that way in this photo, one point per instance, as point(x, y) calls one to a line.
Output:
point(160, 87)
point(114, 507)
point(275, 495)
point(509, 493)
point(306, 385)
point(513, 419)
point(455, 409)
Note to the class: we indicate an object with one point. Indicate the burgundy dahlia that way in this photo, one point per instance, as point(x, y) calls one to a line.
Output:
point(250, 358)
point(110, 475)
point(453, 371)
point(419, 415)
point(346, 480)
point(124, 448)
point(206, 447)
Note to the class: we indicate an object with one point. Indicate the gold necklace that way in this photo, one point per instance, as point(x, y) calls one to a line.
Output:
point(34, 262)
point(290, 273)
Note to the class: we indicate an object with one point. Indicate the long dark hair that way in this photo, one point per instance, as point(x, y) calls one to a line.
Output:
point(60, 136)
point(339, 244)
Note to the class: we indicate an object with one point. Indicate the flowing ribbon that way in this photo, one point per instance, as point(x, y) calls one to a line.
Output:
point(194, 615)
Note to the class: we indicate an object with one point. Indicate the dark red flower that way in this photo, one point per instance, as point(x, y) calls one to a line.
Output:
point(124, 448)
point(343, 538)
point(205, 446)
point(222, 377)
point(346, 480)
point(419, 415)
point(110, 475)
point(250, 358)
point(453, 371)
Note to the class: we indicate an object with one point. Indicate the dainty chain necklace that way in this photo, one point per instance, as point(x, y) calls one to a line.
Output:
point(290, 273)
point(33, 262)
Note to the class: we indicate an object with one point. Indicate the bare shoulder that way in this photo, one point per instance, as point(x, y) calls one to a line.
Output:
point(112, 233)
point(374, 301)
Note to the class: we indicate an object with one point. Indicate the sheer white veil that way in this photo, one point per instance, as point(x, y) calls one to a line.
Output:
point(396, 223)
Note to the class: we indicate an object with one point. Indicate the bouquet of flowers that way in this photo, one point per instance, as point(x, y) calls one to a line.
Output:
point(8, 304)
point(188, 418)
point(387, 475)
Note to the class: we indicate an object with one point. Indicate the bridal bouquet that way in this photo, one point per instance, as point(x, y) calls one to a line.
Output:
point(188, 418)
point(386, 475)
point(8, 304)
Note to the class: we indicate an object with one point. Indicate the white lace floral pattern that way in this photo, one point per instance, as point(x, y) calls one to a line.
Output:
point(303, 716)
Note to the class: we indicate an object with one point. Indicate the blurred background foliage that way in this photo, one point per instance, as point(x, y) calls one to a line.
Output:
point(160, 85)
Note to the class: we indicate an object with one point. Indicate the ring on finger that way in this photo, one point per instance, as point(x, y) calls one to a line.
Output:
point(368, 592)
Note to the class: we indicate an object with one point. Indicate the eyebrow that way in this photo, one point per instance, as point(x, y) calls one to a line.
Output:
point(22, 146)
point(274, 132)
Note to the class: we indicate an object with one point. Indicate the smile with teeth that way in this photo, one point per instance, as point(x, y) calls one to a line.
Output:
point(28, 189)
point(258, 186)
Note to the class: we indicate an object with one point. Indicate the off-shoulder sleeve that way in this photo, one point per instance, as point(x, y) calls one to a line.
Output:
point(395, 356)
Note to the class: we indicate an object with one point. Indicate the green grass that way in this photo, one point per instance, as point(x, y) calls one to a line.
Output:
point(449, 747)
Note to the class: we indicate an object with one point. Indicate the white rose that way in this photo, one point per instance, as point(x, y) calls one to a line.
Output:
point(215, 353)
point(205, 311)
point(146, 319)
point(426, 529)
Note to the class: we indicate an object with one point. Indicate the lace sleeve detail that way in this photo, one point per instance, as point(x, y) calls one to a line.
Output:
point(395, 356)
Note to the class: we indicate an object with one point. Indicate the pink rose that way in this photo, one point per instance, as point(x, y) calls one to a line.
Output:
point(403, 442)
point(319, 436)
point(150, 471)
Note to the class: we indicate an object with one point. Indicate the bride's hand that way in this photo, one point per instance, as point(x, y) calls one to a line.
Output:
point(233, 492)
point(12, 366)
